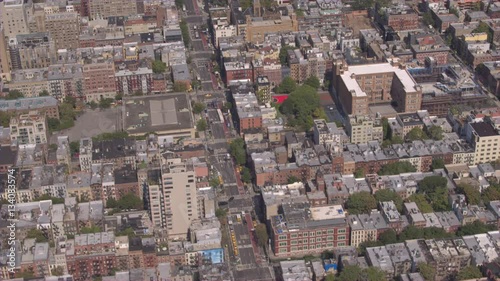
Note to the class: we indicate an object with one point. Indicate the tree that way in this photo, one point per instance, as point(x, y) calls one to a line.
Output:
point(330, 277)
point(435, 132)
point(55, 200)
point(471, 193)
point(228, 106)
point(428, 20)
point(245, 4)
point(359, 173)
point(138, 93)
point(386, 128)
point(292, 179)
point(427, 271)
point(179, 3)
point(454, 11)
point(14, 94)
point(477, 227)
point(246, 176)
point(237, 150)
point(129, 231)
point(360, 203)
point(384, 195)
point(469, 272)
point(350, 273)
point(437, 163)
point(180, 87)
point(90, 229)
point(491, 193)
point(261, 233)
point(53, 124)
point(220, 213)
point(374, 274)
point(74, 147)
point(388, 237)
point(185, 33)
point(201, 125)
point(44, 93)
point(416, 134)
point(287, 85)
point(37, 234)
point(58, 271)
point(93, 105)
point(483, 28)
point(421, 202)
point(429, 184)
point(301, 107)
point(198, 107)
point(397, 168)
point(105, 103)
point(313, 81)
point(214, 181)
point(5, 118)
point(119, 96)
point(159, 66)
point(283, 55)
point(127, 201)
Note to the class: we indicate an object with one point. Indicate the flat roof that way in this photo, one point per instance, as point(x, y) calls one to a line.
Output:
point(352, 85)
point(484, 129)
point(157, 113)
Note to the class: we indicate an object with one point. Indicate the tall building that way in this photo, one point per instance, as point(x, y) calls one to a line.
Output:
point(359, 86)
point(485, 140)
point(180, 197)
point(29, 128)
point(34, 50)
point(15, 15)
point(363, 129)
point(4, 57)
point(99, 80)
point(64, 29)
point(110, 8)
point(66, 80)
point(128, 82)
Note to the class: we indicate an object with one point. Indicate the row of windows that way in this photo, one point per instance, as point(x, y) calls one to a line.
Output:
point(312, 234)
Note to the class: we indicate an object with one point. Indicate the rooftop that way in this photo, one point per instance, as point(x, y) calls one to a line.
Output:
point(483, 129)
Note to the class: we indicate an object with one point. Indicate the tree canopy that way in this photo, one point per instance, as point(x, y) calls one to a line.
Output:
point(302, 107)
point(436, 192)
point(198, 107)
point(237, 150)
point(246, 176)
point(471, 193)
point(435, 133)
point(40, 236)
point(181, 87)
point(159, 66)
point(421, 201)
point(383, 195)
point(355, 273)
point(469, 272)
point(397, 168)
point(127, 201)
point(284, 54)
point(427, 271)
point(201, 125)
point(477, 227)
point(313, 81)
point(361, 203)
point(287, 85)
point(437, 164)
point(14, 94)
point(261, 233)
point(416, 134)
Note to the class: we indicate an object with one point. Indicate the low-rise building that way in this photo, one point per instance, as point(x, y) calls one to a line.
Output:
point(363, 129)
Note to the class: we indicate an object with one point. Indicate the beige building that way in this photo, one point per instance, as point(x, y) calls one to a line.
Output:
point(257, 28)
point(34, 50)
point(109, 8)
point(362, 129)
point(485, 140)
point(64, 29)
point(180, 198)
point(29, 82)
point(155, 205)
point(4, 57)
point(15, 15)
point(359, 86)
point(29, 128)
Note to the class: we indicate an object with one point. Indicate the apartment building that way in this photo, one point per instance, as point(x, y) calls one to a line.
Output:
point(400, 18)
point(46, 105)
point(359, 86)
point(380, 258)
point(15, 15)
point(256, 28)
point(449, 256)
point(111, 8)
point(302, 67)
point(237, 71)
point(30, 128)
point(64, 29)
point(33, 50)
point(30, 82)
point(248, 111)
point(485, 140)
point(130, 81)
point(263, 90)
point(429, 46)
point(4, 57)
point(66, 80)
point(99, 80)
point(366, 227)
point(328, 134)
point(223, 29)
point(362, 129)
point(270, 68)
point(180, 197)
point(301, 230)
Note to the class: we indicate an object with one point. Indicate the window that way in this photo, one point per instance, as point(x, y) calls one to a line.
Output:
point(340, 244)
point(294, 235)
point(318, 233)
point(282, 237)
point(294, 242)
point(283, 244)
point(341, 237)
point(341, 230)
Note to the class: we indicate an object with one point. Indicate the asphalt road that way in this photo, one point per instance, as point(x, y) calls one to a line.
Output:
point(218, 130)
point(225, 169)
point(244, 243)
point(197, 45)
point(213, 116)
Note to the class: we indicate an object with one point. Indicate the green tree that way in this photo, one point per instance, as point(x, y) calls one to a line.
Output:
point(471, 193)
point(119, 96)
point(416, 134)
point(58, 271)
point(245, 4)
point(201, 125)
point(159, 66)
point(105, 103)
point(261, 233)
point(237, 150)
point(361, 203)
point(185, 33)
point(180, 87)
point(421, 202)
point(292, 179)
point(220, 213)
point(429, 184)
point(55, 200)
point(359, 173)
point(483, 28)
point(129, 231)
point(93, 105)
point(436, 192)
point(388, 237)
point(91, 229)
point(74, 147)
point(427, 18)
point(313, 81)
point(469, 272)
point(384, 195)
point(330, 277)
point(283, 55)
point(374, 274)
point(350, 273)
point(477, 227)
point(437, 163)
point(198, 107)
point(386, 128)
point(246, 176)
point(14, 94)
point(44, 93)
point(214, 181)
point(491, 193)
point(436, 133)
point(110, 136)
point(53, 124)
point(37, 234)
point(397, 168)
point(301, 107)
point(179, 4)
point(287, 85)
point(454, 11)
point(5, 118)
point(127, 201)
point(427, 271)
point(228, 106)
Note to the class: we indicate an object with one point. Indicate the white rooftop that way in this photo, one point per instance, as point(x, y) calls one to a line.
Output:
point(327, 212)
